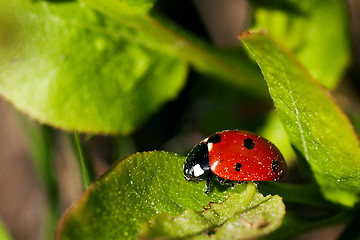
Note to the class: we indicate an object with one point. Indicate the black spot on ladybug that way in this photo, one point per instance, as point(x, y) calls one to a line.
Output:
point(214, 138)
point(275, 165)
point(249, 143)
point(238, 166)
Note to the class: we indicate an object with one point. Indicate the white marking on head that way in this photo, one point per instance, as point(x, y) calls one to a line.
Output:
point(198, 171)
point(210, 145)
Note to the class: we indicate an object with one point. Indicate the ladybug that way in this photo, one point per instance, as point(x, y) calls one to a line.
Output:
point(234, 156)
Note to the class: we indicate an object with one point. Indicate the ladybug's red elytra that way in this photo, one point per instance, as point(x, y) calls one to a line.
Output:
point(235, 156)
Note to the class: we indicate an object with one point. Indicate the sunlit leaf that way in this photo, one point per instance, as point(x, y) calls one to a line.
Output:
point(316, 125)
point(67, 66)
point(146, 194)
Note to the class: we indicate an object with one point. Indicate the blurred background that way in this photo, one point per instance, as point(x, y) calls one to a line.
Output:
point(23, 201)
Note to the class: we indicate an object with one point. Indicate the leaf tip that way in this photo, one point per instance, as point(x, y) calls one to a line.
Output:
point(249, 33)
point(243, 34)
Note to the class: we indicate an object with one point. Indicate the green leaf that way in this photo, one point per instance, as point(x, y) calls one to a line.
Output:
point(262, 216)
point(275, 132)
point(316, 31)
point(316, 125)
point(131, 12)
point(147, 191)
point(140, 6)
point(68, 66)
point(225, 66)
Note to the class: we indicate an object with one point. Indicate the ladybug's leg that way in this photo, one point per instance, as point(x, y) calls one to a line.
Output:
point(208, 182)
point(221, 180)
point(233, 183)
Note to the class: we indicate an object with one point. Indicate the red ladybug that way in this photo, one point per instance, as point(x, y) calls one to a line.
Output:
point(236, 156)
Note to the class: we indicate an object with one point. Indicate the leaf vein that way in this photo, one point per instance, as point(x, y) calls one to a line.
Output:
point(298, 121)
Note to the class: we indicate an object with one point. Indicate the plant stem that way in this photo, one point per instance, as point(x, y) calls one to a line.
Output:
point(41, 146)
point(82, 162)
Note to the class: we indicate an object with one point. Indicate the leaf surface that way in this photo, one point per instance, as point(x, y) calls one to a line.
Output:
point(230, 67)
point(70, 67)
point(316, 125)
point(145, 195)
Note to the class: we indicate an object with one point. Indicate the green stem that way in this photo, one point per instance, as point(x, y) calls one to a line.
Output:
point(41, 146)
point(85, 175)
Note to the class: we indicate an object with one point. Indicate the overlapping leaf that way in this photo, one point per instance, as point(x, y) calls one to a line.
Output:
point(314, 122)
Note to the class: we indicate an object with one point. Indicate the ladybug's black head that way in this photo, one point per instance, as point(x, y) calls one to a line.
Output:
point(197, 163)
